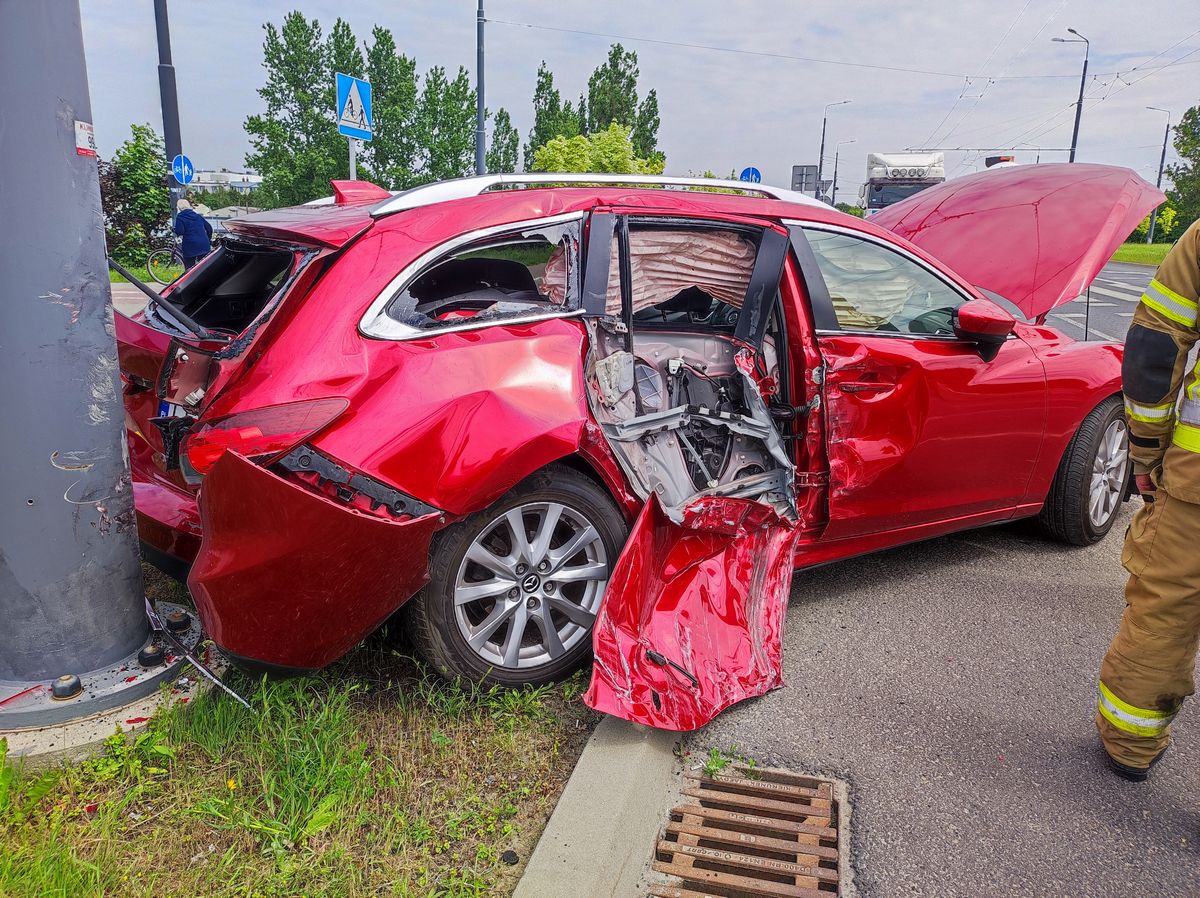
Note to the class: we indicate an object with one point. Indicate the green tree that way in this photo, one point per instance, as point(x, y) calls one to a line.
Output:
point(645, 129)
point(1185, 174)
point(612, 91)
point(607, 151)
point(551, 117)
point(392, 153)
point(134, 196)
point(445, 126)
point(502, 153)
point(856, 211)
point(295, 144)
point(1164, 227)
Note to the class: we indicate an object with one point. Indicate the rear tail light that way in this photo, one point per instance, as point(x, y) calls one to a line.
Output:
point(264, 432)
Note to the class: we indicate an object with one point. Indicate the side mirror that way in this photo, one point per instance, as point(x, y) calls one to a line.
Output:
point(985, 324)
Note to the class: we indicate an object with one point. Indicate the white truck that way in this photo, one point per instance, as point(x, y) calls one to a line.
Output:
point(892, 177)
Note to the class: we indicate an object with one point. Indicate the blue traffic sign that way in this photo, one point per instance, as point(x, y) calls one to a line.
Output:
point(750, 174)
point(354, 107)
point(182, 169)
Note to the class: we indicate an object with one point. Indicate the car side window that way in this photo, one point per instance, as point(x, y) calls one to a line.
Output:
point(519, 273)
point(877, 289)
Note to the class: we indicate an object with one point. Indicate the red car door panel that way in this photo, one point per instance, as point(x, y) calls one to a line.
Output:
point(922, 430)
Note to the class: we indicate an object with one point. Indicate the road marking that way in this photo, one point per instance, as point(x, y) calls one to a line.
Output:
point(1125, 314)
point(1127, 297)
point(1069, 318)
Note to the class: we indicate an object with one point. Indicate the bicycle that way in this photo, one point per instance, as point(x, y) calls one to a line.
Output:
point(165, 264)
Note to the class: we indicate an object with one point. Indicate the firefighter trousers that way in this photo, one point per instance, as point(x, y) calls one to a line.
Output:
point(1148, 670)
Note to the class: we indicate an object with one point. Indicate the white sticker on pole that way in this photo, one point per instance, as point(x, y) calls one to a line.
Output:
point(85, 139)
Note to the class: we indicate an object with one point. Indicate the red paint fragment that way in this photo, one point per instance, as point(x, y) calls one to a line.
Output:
point(184, 700)
point(136, 720)
point(91, 807)
point(130, 679)
point(33, 688)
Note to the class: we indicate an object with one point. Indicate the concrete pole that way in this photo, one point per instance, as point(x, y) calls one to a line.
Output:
point(1087, 48)
point(821, 156)
point(480, 112)
point(71, 598)
point(168, 97)
point(1162, 161)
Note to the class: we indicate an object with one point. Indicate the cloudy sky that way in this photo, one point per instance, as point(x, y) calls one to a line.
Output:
point(739, 82)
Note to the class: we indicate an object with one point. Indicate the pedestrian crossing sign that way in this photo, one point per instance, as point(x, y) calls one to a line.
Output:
point(354, 107)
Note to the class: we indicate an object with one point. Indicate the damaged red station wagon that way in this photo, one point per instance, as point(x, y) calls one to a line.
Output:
point(554, 416)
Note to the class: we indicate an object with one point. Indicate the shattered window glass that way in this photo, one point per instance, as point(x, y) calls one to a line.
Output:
point(685, 275)
point(525, 272)
point(876, 289)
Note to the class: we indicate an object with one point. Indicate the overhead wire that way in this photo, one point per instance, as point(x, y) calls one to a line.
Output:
point(773, 55)
point(967, 83)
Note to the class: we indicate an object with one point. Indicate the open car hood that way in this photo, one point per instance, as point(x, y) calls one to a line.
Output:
point(1035, 234)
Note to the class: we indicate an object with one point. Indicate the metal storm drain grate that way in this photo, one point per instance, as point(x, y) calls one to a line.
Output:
point(751, 832)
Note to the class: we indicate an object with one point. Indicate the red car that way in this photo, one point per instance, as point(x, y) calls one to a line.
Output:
point(608, 419)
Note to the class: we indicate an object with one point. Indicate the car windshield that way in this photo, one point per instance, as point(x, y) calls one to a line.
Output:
point(881, 195)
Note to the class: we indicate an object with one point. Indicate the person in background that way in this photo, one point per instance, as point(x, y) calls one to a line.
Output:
point(196, 234)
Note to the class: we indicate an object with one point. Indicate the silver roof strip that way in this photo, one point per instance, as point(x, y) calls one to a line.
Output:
point(461, 188)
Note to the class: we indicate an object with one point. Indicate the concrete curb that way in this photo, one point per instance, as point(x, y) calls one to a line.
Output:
point(599, 838)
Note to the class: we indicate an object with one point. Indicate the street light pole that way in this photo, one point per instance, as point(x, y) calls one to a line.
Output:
point(836, 152)
point(1162, 161)
point(480, 112)
point(1087, 47)
point(168, 96)
point(821, 154)
point(71, 599)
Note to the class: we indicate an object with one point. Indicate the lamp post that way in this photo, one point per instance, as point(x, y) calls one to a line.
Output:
point(821, 154)
point(480, 111)
point(833, 189)
point(1162, 160)
point(1087, 47)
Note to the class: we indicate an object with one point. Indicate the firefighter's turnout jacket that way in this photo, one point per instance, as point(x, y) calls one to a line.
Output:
point(1148, 669)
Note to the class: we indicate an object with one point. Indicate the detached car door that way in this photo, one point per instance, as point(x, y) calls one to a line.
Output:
point(922, 428)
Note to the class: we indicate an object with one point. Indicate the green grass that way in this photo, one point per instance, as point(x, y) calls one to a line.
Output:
point(138, 272)
point(374, 778)
point(1142, 253)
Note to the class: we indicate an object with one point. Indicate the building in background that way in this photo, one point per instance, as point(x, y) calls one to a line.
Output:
point(243, 182)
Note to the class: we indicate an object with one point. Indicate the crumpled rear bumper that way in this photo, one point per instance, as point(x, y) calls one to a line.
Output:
point(287, 578)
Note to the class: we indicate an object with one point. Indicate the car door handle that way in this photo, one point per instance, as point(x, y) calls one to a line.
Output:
point(865, 386)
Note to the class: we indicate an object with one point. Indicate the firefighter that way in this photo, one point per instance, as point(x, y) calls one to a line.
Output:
point(1147, 672)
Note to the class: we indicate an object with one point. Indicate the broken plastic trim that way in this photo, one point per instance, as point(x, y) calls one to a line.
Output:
point(305, 459)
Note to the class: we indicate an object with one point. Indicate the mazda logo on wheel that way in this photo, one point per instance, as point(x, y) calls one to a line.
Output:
point(530, 583)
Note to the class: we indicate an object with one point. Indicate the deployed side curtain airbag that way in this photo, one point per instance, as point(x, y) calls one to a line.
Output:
point(664, 262)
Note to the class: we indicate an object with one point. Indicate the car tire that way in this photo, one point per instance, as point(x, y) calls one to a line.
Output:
point(516, 586)
point(1085, 498)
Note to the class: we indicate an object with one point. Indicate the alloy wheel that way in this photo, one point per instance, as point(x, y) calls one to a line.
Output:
point(1110, 470)
point(530, 584)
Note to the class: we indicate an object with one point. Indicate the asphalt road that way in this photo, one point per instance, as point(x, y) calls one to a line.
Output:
point(952, 684)
point(1114, 294)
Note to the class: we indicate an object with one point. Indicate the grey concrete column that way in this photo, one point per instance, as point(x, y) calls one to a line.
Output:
point(70, 579)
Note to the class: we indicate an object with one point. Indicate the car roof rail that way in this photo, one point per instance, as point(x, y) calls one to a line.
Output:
point(461, 188)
